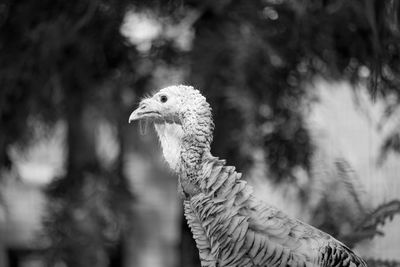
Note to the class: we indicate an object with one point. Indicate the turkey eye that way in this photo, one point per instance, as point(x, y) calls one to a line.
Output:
point(163, 98)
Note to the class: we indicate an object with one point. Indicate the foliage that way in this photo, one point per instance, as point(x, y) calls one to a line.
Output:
point(368, 227)
point(391, 144)
point(252, 59)
point(270, 49)
point(87, 220)
point(55, 57)
point(48, 50)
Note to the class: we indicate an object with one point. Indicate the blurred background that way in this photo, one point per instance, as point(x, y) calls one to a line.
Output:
point(305, 96)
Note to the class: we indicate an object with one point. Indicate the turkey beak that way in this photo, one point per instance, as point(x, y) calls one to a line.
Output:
point(135, 115)
point(144, 110)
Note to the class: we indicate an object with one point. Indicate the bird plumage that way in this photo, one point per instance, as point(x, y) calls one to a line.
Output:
point(230, 226)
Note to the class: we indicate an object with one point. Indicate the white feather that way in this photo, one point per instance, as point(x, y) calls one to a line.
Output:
point(170, 135)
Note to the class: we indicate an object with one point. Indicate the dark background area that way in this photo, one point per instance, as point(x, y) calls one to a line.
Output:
point(81, 187)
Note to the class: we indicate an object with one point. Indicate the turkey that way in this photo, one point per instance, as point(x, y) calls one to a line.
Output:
point(230, 226)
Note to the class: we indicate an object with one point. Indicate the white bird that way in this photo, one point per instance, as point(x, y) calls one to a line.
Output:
point(230, 226)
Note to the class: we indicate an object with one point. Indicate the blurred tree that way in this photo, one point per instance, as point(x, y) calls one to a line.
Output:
point(263, 51)
point(55, 56)
point(250, 58)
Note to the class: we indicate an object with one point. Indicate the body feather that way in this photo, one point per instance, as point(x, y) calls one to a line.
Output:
point(232, 228)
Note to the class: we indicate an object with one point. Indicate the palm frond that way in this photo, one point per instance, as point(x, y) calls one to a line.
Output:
point(368, 227)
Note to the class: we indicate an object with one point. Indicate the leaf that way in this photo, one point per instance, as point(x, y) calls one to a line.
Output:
point(368, 227)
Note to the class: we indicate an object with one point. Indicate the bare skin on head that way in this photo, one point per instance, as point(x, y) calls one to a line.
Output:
point(230, 226)
point(183, 122)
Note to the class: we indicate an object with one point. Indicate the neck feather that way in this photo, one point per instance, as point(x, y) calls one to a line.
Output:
point(198, 127)
point(184, 144)
point(217, 179)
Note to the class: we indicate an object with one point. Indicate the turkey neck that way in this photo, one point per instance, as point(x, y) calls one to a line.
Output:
point(197, 126)
point(186, 142)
